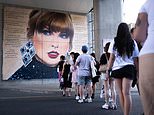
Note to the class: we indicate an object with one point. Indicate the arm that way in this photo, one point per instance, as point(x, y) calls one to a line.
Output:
point(110, 63)
point(75, 65)
point(141, 26)
point(136, 66)
point(77, 62)
point(136, 63)
point(63, 68)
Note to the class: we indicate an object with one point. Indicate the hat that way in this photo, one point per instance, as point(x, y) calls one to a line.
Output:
point(84, 48)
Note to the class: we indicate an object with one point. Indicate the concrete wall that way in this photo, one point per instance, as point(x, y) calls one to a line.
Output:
point(108, 14)
point(77, 18)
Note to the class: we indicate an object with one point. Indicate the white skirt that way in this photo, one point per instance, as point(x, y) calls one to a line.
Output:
point(103, 76)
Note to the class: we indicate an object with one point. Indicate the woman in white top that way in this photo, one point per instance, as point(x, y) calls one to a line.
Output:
point(74, 71)
point(144, 33)
point(123, 54)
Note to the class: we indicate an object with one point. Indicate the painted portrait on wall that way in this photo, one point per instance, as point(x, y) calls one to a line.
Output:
point(34, 40)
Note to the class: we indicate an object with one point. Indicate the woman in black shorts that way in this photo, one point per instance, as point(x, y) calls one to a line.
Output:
point(122, 62)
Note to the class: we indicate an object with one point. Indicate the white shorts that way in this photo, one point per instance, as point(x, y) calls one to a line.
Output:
point(103, 76)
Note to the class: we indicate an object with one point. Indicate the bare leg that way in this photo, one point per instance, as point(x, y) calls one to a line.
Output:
point(119, 88)
point(64, 91)
point(69, 92)
point(101, 87)
point(81, 88)
point(76, 88)
point(89, 90)
point(113, 91)
point(93, 90)
point(106, 89)
point(146, 83)
point(126, 85)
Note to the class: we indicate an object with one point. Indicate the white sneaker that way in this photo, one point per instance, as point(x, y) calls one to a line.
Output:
point(105, 106)
point(83, 97)
point(80, 101)
point(89, 100)
point(114, 106)
point(110, 99)
point(77, 97)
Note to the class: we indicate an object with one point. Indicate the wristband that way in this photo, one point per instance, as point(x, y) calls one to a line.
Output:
point(109, 72)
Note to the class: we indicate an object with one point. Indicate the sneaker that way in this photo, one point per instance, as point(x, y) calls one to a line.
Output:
point(89, 100)
point(77, 97)
point(83, 97)
point(114, 106)
point(105, 106)
point(80, 101)
point(110, 100)
point(86, 96)
point(93, 96)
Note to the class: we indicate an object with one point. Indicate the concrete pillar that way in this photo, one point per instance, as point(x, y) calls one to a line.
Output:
point(1, 44)
point(107, 16)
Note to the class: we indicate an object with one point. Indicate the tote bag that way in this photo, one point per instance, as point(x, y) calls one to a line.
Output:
point(103, 67)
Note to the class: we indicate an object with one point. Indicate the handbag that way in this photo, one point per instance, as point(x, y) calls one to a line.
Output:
point(103, 68)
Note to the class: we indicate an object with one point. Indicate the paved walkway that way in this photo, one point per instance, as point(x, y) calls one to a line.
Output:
point(47, 94)
point(36, 86)
point(39, 86)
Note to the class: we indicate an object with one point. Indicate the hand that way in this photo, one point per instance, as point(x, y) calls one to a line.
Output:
point(75, 67)
point(107, 76)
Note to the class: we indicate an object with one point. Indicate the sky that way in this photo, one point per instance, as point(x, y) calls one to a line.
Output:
point(131, 8)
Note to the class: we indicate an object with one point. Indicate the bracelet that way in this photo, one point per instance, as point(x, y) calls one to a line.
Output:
point(109, 72)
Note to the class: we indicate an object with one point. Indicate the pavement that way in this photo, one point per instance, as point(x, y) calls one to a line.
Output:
point(34, 86)
point(39, 86)
point(47, 93)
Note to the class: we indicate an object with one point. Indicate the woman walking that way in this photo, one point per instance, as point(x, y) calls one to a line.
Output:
point(123, 59)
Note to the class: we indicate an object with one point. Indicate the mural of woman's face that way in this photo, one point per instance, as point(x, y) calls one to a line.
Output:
point(50, 46)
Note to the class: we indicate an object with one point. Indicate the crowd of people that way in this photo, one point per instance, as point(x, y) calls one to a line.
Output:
point(76, 72)
point(117, 67)
point(78, 75)
point(127, 61)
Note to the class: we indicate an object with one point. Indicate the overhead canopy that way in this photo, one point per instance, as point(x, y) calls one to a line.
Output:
point(77, 6)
